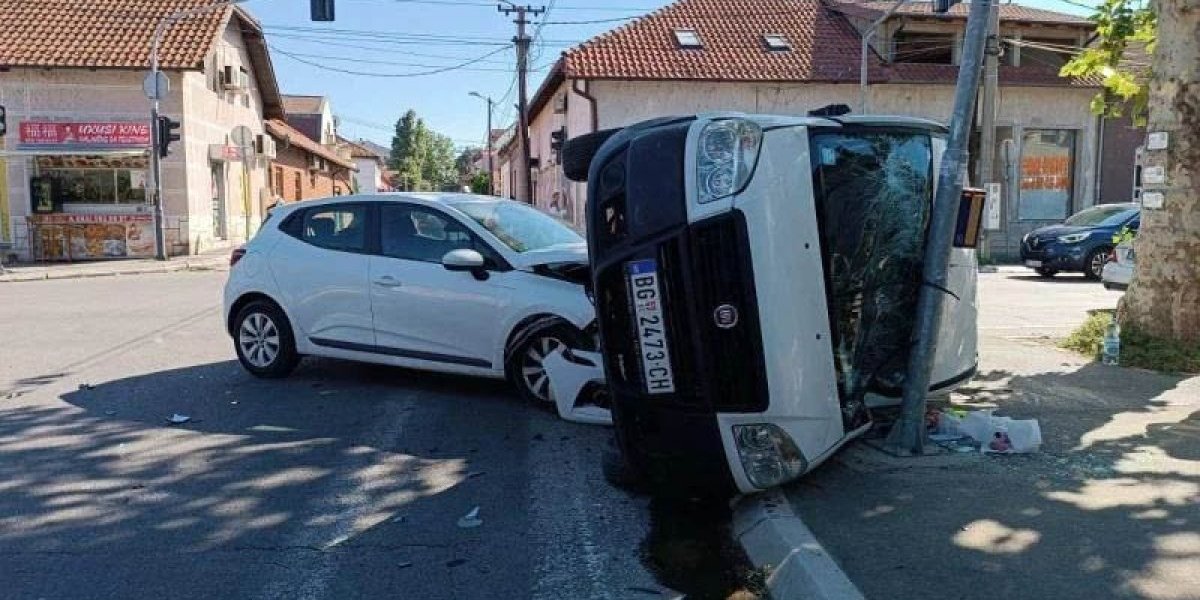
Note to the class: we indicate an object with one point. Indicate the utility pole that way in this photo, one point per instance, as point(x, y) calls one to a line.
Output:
point(908, 436)
point(487, 141)
point(158, 89)
point(522, 41)
point(987, 117)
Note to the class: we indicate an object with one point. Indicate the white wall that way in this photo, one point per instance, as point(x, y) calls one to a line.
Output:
point(207, 117)
point(369, 178)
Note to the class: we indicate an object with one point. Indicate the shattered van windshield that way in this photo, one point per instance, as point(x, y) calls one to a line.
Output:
point(873, 190)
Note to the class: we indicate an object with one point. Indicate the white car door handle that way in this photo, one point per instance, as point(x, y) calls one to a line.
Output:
point(387, 281)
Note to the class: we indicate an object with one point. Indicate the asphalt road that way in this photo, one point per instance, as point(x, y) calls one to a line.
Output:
point(343, 481)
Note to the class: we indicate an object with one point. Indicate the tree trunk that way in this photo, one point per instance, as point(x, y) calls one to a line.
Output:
point(1164, 299)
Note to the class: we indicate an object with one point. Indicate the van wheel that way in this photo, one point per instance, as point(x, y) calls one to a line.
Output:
point(263, 340)
point(578, 152)
point(527, 351)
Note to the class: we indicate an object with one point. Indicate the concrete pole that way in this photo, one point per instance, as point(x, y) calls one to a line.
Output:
point(908, 436)
point(987, 117)
point(524, 190)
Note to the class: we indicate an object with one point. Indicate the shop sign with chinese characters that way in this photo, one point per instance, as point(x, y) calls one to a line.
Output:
point(85, 134)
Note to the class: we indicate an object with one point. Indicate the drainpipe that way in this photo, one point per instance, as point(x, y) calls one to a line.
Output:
point(583, 93)
point(866, 51)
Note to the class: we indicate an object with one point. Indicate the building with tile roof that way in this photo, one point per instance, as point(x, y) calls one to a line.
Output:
point(303, 169)
point(790, 56)
point(74, 181)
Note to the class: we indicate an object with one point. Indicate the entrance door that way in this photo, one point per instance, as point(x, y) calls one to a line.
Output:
point(218, 200)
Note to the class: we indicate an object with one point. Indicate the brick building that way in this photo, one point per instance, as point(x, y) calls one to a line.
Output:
point(303, 169)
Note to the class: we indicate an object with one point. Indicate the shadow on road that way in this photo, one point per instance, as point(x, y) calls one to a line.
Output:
point(329, 459)
point(1109, 508)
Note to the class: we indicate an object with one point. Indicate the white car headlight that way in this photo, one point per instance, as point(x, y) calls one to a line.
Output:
point(728, 153)
point(1074, 238)
point(768, 455)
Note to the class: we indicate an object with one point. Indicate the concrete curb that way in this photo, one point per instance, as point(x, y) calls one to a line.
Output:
point(774, 537)
point(117, 269)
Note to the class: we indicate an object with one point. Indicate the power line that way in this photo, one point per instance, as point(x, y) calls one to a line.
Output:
point(356, 59)
point(331, 42)
point(318, 65)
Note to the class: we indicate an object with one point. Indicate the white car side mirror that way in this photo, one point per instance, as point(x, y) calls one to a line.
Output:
point(463, 260)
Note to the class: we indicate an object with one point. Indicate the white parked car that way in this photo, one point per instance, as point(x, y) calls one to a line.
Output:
point(1118, 271)
point(455, 283)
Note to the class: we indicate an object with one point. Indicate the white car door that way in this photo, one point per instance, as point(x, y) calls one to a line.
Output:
point(321, 269)
point(425, 312)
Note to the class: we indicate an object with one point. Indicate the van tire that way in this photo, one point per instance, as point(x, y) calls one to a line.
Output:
point(578, 152)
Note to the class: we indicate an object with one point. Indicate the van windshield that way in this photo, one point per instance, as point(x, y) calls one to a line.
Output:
point(873, 189)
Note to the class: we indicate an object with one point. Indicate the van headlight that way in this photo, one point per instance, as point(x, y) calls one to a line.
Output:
point(728, 152)
point(768, 455)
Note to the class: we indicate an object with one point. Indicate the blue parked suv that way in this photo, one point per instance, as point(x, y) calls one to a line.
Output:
point(1081, 243)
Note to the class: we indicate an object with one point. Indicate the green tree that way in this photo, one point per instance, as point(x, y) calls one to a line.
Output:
point(423, 159)
point(1163, 300)
point(1120, 25)
point(481, 183)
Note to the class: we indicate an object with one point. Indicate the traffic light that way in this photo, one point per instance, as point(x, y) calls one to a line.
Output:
point(939, 6)
point(167, 133)
point(3, 122)
point(322, 10)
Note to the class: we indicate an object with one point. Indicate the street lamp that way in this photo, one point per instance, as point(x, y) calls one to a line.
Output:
point(156, 91)
point(487, 140)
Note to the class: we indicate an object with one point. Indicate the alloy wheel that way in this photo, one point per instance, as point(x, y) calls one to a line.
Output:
point(258, 339)
point(1097, 264)
point(533, 373)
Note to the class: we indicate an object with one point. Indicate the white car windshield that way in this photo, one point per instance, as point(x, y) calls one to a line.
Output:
point(520, 227)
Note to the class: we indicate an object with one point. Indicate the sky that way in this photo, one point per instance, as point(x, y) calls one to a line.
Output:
point(403, 55)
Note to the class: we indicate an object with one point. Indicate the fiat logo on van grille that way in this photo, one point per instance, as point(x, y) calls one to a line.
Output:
point(726, 316)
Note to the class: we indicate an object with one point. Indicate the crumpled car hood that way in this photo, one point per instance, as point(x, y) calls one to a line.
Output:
point(573, 253)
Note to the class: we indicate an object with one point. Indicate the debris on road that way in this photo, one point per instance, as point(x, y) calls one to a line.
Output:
point(178, 419)
point(954, 428)
point(471, 519)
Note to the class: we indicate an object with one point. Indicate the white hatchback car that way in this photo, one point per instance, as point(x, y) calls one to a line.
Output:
point(456, 283)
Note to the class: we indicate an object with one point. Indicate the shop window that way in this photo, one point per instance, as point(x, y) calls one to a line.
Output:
point(923, 47)
point(98, 185)
point(1047, 163)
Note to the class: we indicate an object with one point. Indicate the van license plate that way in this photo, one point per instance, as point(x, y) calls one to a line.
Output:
point(651, 327)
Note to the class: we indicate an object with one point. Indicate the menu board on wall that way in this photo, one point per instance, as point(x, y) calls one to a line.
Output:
point(89, 237)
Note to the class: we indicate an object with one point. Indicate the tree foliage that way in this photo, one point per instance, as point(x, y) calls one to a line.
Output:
point(423, 159)
point(1120, 26)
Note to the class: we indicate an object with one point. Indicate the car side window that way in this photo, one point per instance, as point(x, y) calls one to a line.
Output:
point(416, 233)
point(336, 227)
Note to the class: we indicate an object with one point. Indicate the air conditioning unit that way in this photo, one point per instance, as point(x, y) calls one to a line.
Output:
point(264, 146)
point(314, 163)
point(234, 78)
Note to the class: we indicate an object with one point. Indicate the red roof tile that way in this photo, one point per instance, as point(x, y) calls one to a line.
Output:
point(1008, 12)
point(104, 33)
point(288, 134)
point(823, 46)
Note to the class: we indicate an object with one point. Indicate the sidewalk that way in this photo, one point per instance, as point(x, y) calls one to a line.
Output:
point(1109, 508)
point(107, 268)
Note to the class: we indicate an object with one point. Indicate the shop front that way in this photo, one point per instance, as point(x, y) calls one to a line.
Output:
point(87, 190)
